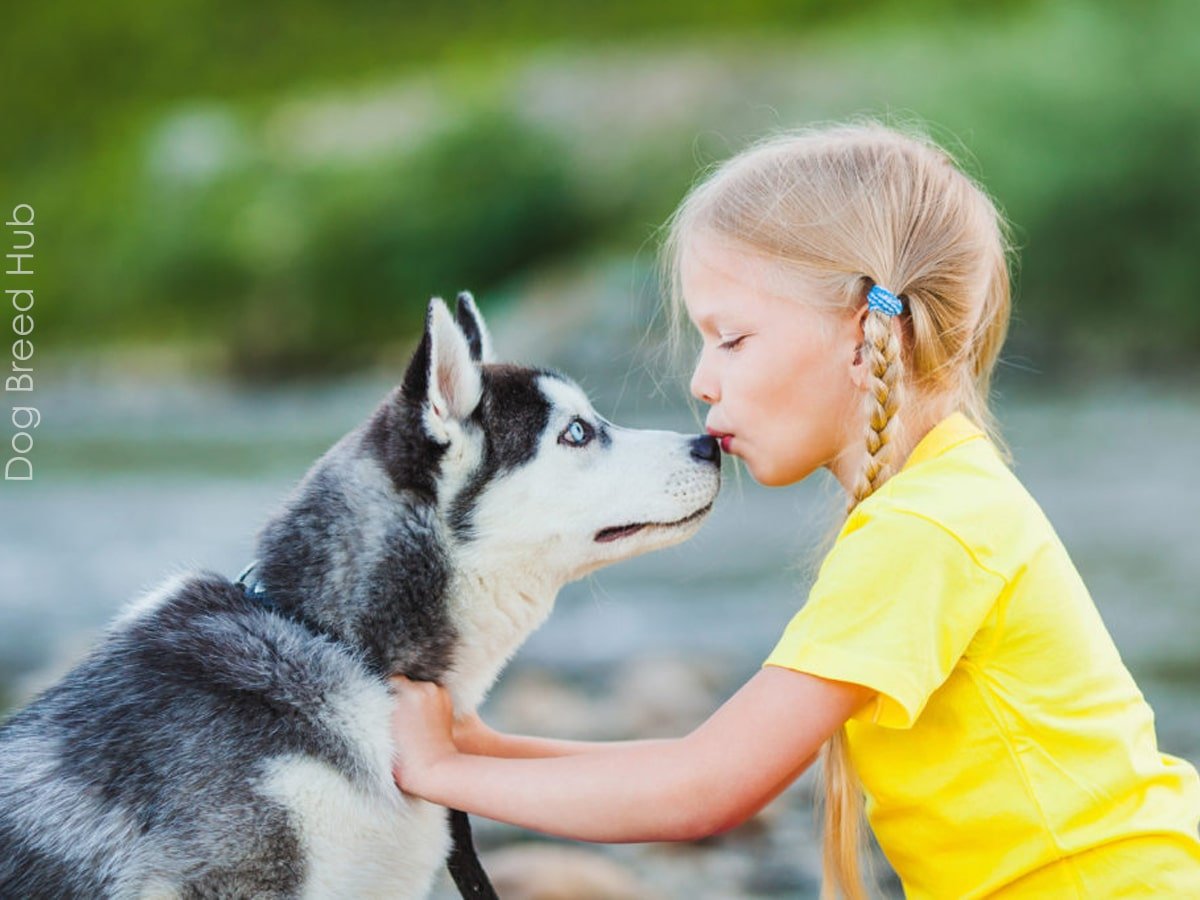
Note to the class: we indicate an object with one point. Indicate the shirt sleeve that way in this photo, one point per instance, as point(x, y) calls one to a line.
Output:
point(895, 604)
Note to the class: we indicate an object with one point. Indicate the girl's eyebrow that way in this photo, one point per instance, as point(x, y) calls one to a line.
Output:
point(704, 322)
point(710, 323)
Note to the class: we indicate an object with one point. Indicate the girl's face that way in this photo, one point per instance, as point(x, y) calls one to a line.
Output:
point(777, 372)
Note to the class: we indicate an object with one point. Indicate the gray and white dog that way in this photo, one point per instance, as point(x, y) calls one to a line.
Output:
point(226, 742)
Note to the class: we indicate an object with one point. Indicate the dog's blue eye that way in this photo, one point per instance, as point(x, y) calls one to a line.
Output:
point(576, 434)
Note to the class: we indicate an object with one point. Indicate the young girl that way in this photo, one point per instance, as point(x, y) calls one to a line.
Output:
point(851, 289)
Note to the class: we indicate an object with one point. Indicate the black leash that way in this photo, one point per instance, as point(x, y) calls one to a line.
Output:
point(463, 862)
point(464, 865)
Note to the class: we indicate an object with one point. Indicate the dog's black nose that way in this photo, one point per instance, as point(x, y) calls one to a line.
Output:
point(706, 448)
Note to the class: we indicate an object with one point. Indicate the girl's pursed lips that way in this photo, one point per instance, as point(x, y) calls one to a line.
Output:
point(723, 438)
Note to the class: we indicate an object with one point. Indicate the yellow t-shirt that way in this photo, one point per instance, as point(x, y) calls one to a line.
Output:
point(1008, 752)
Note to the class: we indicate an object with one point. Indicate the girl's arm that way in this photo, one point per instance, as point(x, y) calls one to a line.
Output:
point(727, 769)
point(473, 736)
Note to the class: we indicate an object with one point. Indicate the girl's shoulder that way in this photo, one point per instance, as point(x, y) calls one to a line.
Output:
point(968, 492)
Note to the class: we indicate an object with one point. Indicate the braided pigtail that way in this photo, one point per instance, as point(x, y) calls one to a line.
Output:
point(842, 844)
point(881, 354)
point(843, 791)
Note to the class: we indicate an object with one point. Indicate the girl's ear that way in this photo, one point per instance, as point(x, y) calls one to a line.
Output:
point(860, 372)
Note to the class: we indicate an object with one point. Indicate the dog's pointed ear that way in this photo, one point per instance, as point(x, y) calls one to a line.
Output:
point(471, 323)
point(442, 374)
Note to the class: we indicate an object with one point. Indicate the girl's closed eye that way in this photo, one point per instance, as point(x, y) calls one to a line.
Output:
point(733, 343)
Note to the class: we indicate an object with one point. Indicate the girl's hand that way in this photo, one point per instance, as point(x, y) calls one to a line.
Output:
point(422, 722)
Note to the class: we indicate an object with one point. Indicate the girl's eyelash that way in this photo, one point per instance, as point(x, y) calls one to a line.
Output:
point(732, 343)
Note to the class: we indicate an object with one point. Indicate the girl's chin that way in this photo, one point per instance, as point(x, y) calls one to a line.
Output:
point(763, 474)
point(769, 479)
point(772, 476)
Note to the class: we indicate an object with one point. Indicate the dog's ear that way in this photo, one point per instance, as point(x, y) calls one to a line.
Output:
point(442, 375)
point(471, 323)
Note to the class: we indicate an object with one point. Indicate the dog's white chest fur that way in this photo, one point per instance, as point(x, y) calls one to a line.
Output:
point(358, 843)
point(359, 840)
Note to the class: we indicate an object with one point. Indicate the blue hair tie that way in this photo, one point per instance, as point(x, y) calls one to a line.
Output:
point(882, 300)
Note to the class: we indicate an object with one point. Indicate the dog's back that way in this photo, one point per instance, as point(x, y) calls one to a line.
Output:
point(208, 748)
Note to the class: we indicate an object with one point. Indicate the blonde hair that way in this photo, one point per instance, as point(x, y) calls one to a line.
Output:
point(853, 205)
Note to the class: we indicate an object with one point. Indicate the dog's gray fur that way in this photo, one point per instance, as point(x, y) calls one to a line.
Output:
point(212, 746)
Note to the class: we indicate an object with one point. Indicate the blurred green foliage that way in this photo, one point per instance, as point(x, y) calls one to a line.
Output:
point(171, 209)
point(306, 268)
point(74, 73)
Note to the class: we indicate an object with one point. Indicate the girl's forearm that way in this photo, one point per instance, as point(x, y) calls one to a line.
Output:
point(641, 791)
point(519, 746)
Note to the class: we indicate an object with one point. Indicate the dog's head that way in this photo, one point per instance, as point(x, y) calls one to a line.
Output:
point(435, 536)
point(523, 471)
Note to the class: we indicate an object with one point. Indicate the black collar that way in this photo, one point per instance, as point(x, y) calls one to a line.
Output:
point(256, 592)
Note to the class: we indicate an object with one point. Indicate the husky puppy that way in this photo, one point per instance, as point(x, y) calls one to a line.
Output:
point(231, 742)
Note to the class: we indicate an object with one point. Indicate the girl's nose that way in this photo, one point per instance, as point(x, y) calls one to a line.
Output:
point(703, 385)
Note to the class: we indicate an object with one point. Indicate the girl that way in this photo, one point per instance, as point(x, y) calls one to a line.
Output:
point(851, 289)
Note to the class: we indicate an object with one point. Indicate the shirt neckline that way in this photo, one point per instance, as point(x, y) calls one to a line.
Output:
point(953, 430)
